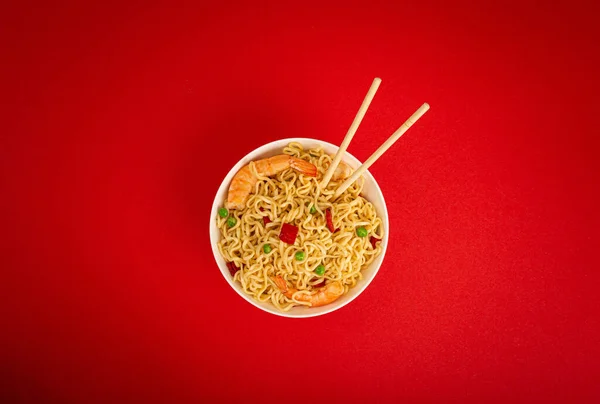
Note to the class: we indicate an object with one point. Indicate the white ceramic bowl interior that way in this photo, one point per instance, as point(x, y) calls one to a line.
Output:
point(371, 191)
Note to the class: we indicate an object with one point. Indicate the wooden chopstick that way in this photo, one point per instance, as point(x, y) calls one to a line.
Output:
point(382, 149)
point(351, 131)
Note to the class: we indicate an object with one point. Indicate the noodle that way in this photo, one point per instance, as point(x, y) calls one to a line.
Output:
point(287, 198)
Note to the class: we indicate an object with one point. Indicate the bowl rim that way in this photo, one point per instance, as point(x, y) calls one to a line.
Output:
point(261, 150)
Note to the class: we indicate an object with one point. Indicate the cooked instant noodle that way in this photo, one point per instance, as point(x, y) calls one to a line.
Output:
point(286, 240)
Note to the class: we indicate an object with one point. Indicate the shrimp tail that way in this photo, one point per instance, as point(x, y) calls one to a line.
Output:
point(303, 167)
point(282, 285)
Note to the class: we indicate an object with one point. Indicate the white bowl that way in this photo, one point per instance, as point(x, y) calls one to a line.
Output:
point(371, 192)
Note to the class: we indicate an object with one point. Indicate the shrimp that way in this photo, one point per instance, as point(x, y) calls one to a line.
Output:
point(244, 180)
point(323, 296)
point(342, 171)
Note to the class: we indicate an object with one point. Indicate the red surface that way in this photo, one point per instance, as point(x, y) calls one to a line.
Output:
point(119, 122)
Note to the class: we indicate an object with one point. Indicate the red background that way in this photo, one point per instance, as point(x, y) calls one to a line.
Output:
point(120, 120)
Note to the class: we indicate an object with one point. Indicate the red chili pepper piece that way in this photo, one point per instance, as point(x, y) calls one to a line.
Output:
point(320, 284)
point(232, 268)
point(288, 233)
point(329, 220)
point(266, 219)
point(374, 241)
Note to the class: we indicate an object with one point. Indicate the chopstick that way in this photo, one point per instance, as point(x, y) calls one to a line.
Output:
point(351, 131)
point(382, 149)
